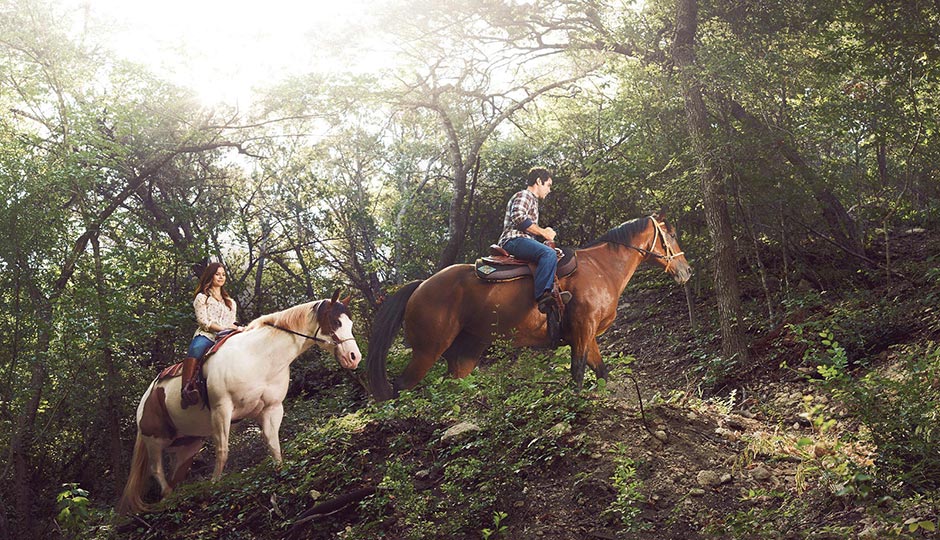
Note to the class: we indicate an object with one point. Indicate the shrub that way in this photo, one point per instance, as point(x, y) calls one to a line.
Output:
point(900, 409)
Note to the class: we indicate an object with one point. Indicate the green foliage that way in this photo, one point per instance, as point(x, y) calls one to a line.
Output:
point(835, 359)
point(73, 506)
point(480, 471)
point(899, 410)
point(498, 527)
point(626, 504)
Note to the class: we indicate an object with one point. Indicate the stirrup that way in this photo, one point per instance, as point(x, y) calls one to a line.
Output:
point(546, 302)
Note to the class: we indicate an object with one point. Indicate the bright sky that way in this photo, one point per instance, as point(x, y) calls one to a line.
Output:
point(223, 48)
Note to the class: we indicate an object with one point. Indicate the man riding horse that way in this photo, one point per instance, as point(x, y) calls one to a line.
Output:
point(520, 229)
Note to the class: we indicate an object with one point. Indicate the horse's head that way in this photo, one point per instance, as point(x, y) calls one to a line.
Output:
point(666, 250)
point(334, 322)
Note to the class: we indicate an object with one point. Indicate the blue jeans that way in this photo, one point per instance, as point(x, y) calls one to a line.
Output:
point(531, 250)
point(198, 346)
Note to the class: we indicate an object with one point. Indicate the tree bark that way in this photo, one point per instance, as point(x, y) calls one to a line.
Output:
point(21, 443)
point(457, 222)
point(733, 345)
point(111, 406)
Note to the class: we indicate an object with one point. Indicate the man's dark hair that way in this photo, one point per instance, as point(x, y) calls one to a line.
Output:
point(537, 173)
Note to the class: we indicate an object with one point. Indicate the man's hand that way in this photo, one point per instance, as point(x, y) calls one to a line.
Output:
point(547, 233)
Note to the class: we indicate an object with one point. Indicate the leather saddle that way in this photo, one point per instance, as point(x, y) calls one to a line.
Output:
point(177, 369)
point(499, 265)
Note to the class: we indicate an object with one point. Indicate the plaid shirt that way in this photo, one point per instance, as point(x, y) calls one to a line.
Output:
point(521, 212)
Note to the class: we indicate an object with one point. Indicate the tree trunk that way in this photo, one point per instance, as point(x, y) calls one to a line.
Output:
point(21, 444)
point(457, 222)
point(733, 346)
point(111, 406)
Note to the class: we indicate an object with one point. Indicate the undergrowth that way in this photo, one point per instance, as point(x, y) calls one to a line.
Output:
point(426, 486)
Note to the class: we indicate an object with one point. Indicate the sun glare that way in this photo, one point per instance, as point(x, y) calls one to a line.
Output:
point(224, 49)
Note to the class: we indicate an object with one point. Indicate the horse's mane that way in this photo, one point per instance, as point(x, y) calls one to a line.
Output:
point(294, 318)
point(623, 233)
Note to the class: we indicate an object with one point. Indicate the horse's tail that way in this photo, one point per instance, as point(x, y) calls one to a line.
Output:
point(132, 499)
point(385, 326)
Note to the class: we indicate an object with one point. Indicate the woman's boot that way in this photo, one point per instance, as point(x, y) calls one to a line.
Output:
point(190, 390)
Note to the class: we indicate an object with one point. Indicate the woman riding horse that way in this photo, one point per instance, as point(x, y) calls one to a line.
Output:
point(456, 315)
point(247, 378)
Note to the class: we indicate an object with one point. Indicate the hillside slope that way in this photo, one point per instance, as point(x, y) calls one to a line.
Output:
point(764, 450)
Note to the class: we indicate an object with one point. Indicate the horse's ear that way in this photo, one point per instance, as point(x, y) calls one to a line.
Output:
point(335, 296)
point(346, 300)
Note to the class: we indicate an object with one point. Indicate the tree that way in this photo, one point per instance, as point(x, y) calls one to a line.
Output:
point(713, 190)
point(460, 82)
point(86, 160)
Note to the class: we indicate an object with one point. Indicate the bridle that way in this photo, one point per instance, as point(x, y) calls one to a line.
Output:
point(334, 339)
point(659, 232)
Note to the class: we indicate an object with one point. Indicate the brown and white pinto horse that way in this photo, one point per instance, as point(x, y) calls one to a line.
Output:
point(247, 378)
point(456, 315)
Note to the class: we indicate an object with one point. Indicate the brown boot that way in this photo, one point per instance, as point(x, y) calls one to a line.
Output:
point(190, 391)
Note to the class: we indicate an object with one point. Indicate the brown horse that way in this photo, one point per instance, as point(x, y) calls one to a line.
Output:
point(456, 315)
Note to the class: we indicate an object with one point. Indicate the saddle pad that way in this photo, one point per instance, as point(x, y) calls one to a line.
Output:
point(170, 371)
point(491, 269)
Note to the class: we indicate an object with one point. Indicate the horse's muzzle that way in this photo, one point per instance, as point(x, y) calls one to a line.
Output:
point(348, 355)
point(682, 274)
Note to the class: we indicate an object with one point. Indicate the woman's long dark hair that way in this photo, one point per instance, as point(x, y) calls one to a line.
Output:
point(205, 281)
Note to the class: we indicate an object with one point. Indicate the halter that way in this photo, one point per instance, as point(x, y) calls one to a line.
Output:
point(659, 232)
point(335, 341)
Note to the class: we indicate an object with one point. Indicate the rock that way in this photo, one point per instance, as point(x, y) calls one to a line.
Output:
point(518, 504)
point(760, 473)
point(661, 435)
point(459, 429)
point(725, 478)
point(696, 492)
point(560, 429)
point(708, 479)
point(314, 494)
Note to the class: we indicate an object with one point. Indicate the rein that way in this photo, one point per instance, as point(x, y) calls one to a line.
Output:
point(335, 341)
point(657, 233)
